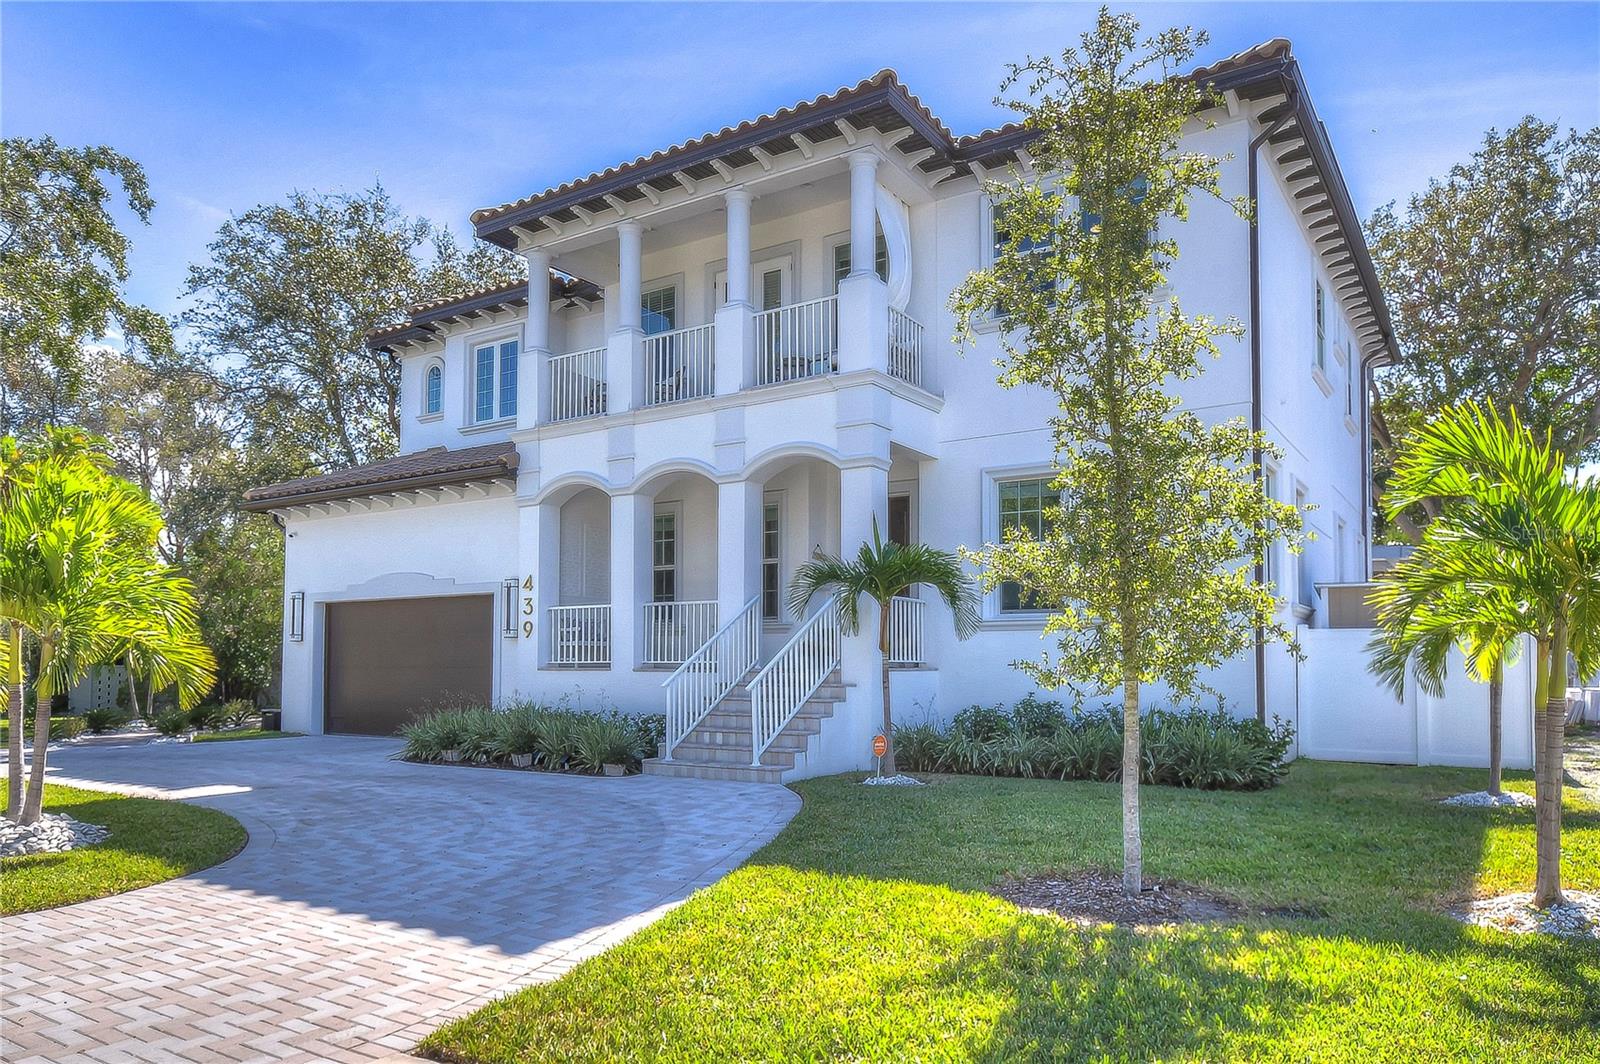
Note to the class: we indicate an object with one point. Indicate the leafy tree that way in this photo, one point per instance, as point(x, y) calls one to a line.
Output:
point(880, 571)
point(1148, 561)
point(62, 262)
point(237, 569)
point(1493, 276)
point(1514, 549)
point(291, 291)
point(79, 571)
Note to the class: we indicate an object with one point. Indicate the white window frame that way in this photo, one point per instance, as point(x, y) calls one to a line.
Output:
point(661, 284)
point(1340, 531)
point(992, 479)
point(1270, 565)
point(1319, 312)
point(1304, 592)
point(496, 340)
point(673, 510)
point(428, 412)
point(777, 500)
point(842, 240)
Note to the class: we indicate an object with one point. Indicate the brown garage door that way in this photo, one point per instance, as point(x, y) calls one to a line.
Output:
point(387, 660)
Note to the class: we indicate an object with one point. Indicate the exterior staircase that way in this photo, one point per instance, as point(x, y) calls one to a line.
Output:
point(719, 746)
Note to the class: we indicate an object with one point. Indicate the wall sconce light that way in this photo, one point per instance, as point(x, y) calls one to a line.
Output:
point(508, 621)
point(297, 616)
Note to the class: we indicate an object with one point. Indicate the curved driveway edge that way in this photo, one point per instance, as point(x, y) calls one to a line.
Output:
point(374, 901)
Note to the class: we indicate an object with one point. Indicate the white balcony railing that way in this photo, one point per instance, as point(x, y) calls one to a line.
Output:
point(797, 341)
point(905, 631)
point(905, 347)
point(580, 636)
point(674, 630)
point(678, 365)
point(578, 384)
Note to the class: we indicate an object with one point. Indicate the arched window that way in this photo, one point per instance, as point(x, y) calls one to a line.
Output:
point(433, 390)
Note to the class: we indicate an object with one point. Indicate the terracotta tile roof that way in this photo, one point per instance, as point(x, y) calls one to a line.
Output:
point(430, 468)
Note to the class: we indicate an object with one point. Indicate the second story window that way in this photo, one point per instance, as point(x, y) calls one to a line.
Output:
point(658, 310)
point(1022, 506)
point(841, 261)
point(1322, 330)
point(1000, 242)
point(664, 557)
point(494, 381)
point(433, 390)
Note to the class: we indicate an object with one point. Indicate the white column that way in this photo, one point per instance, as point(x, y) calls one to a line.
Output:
point(863, 297)
point(625, 348)
point(863, 212)
point(630, 253)
point(739, 516)
point(863, 494)
point(737, 200)
point(531, 364)
point(631, 523)
point(734, 321)
point(539, 558)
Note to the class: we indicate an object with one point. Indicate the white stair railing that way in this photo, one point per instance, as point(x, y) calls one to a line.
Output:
point(578, 384)
point(674, 630)
point(905, 631)
point(679, 365)
point(580, 635)
point(793, 675)
point(797, 341)
point(905, 347)
point(710, 673)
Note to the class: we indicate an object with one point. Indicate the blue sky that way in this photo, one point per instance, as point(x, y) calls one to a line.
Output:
point(463, 105)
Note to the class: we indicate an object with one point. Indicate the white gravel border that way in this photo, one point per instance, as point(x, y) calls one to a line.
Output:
point(892, 781)
point(1514, 913)
point(1484, 800)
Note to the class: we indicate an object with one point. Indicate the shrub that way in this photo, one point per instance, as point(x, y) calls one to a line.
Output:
point(600, 741)
point(208, 715)
point(1191, 748)
point(238, 712)
point(100, 721)
point(981, 723)
point(172, 722)
point(1037, 717)
point(516, 730)
point(558, 737)
point(652, 729)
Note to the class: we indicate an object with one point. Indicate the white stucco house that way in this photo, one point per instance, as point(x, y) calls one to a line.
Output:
point(736, 353)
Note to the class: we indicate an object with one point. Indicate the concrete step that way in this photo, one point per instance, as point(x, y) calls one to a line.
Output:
point(740, 696)
point(808, 720)
point(786, 740)
point(713, 754)
point(737, 773)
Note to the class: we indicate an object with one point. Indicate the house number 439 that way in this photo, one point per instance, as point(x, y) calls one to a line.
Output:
point(527, 608)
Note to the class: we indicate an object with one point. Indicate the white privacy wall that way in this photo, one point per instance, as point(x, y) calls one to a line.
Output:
point(1346, 714)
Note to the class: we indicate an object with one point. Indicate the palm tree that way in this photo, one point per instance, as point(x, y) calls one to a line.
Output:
point(1418, 624)
point(80, 573)
point(881, 571)
point(1515, 549)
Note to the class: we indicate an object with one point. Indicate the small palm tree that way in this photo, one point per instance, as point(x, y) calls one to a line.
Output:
point(881, 571)
point(1515, 548)
point(1418, 624)
point(79, 572)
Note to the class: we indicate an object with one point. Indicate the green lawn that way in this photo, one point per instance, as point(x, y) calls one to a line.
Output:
point(242, 733)
point(151, 840)
point(863, 933)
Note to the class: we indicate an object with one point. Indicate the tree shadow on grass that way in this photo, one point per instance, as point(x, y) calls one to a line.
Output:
point(1080, 993)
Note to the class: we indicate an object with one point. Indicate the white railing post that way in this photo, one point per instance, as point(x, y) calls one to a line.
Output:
point(793, 676)
point(580, 635)
point(680, 365)
point(905, 631)
point(577, 384)
point(674, 630)
point(709, 673)
point(797, 341)
point(905, 347)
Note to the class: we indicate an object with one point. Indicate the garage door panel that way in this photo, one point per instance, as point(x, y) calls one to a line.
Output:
point(387, 660)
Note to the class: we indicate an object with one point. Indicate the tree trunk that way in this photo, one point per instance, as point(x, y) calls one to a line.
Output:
point(1547, 771)
point(33, 802)
point(14, 675)
point(883, 657)
point(1132, 840)
point(1497, 681)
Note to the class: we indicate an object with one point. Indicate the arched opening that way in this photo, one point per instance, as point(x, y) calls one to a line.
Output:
point(677, 592)
point(580, 622)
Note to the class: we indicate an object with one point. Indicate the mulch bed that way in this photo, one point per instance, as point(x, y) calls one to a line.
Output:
point(1092, 896)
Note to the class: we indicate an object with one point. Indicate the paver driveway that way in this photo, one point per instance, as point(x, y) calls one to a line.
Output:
point(374, 901)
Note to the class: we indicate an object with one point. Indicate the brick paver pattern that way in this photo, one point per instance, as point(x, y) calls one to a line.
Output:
point(374, 901)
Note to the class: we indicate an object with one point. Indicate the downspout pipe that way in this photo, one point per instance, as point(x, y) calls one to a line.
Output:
point(1291, 111)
